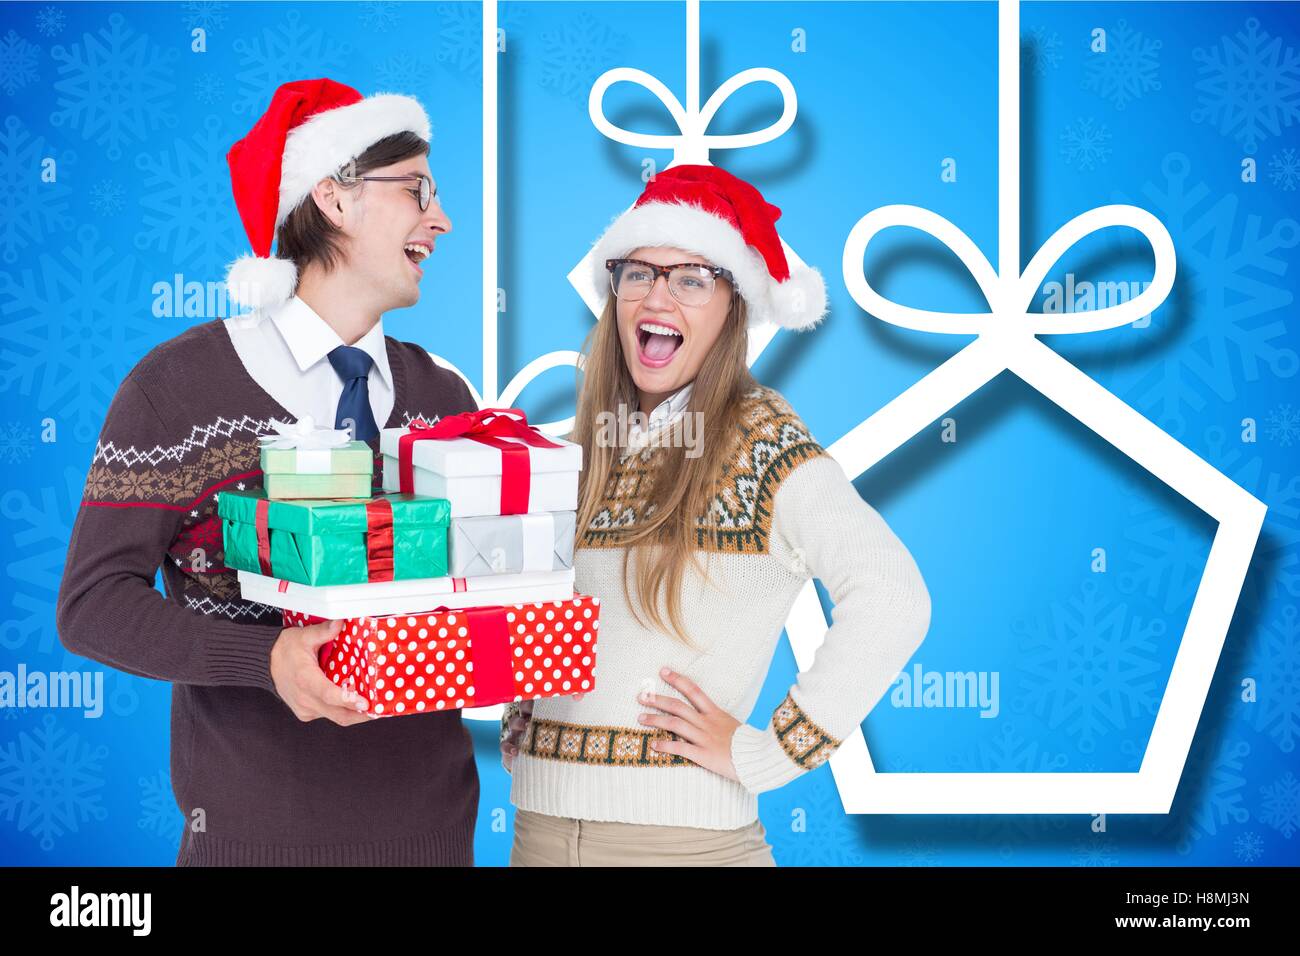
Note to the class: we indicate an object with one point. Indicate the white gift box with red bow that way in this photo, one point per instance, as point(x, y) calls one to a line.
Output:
point(502, 467)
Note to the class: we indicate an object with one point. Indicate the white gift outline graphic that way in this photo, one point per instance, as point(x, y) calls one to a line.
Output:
point(691, 143)
point(1007, 341)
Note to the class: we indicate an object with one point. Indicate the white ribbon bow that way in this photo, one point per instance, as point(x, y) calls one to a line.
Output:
point(304, 436)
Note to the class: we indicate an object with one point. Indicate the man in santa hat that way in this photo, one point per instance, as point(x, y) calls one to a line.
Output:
point(271, 763)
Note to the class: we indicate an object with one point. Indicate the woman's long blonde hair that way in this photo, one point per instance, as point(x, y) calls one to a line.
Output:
point(665, 536)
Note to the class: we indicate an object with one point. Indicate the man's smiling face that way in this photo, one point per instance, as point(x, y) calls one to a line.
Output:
point(388, 236)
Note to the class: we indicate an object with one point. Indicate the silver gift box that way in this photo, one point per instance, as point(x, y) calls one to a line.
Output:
point(510, 544)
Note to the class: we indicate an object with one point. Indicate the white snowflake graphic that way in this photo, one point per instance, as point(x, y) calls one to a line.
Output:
point(50, 782)
point(159, 814)
point(829, 836)
point(921, 853)
point(186, 199)
point(1249, 87)
point(1283, 425)
point(460, 36)
point(35, 211)
point(116, 86)
point(1278, 550)
point(106, 197)
point(40, 527)
point(1228, 309)
point(380, 16)
point(208, 15)
point(208, 88)
point(1127, 70)
point(1040, 51)
point(1096, 850)
point(15, 443)
point(73, 329)
point(1090, 666)
point(1084, 143)
point(17, 62)
point(1284, 168)
point(1277, 667)
point(50, 21)
point(290, 51)
point(1248, 847)
point(403, 72)
point(1281, 804)
point(575, 54)
point(1165, 556)
point(1209, 795)
point(460, 41)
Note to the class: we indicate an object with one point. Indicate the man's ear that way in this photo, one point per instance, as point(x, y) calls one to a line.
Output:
point(326, 195)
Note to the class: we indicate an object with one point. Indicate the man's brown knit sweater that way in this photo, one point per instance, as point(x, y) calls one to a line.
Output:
point(256, 785)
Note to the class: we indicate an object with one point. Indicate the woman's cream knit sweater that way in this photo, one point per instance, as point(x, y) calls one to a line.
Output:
point(783, 511)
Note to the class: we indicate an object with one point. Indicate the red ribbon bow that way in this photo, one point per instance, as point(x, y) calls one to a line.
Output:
point(490, 426)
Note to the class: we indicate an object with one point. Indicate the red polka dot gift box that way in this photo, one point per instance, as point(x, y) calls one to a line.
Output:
point(467, 657)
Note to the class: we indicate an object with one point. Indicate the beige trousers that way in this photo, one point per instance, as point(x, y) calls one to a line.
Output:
point(544, 840)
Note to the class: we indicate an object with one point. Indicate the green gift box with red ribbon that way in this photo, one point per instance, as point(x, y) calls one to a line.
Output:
point(389, 537)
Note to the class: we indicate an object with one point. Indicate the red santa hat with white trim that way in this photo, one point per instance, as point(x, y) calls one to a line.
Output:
point(711, 213)
point(311, 130)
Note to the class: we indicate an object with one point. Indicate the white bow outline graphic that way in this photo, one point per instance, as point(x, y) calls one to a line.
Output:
point(692, 142)
point(1009, 295)
point(1006, 340)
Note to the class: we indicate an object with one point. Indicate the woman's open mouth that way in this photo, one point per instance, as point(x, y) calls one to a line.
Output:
point(657, 343)
point(417, 252)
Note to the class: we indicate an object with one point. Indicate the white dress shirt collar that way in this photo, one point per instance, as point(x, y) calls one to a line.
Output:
point(670, 408)
point(310, 338)
point(663, 415)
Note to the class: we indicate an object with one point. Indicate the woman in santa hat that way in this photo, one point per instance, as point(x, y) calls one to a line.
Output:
point(699, 523)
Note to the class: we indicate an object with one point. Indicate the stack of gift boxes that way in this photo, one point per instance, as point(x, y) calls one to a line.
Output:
point(455, 583)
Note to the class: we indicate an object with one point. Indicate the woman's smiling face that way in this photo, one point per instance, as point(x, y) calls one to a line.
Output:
point(665, 342)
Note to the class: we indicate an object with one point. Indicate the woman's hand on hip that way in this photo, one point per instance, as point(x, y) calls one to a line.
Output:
point(515, 732)
point(705, 728)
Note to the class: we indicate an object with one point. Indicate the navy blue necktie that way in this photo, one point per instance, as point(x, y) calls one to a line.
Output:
point(353, 367)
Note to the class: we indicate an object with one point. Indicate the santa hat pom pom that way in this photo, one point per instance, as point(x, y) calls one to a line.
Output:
point(261, 283)
point(800, 301)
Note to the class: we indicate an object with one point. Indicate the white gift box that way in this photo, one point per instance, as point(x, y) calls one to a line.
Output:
point(468, 473)
point(343, 601)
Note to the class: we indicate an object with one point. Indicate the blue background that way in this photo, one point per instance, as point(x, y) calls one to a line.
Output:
point(1003, 522)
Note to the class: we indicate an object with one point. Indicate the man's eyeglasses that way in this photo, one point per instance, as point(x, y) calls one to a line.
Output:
point(428, 189)
point(691, 283)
